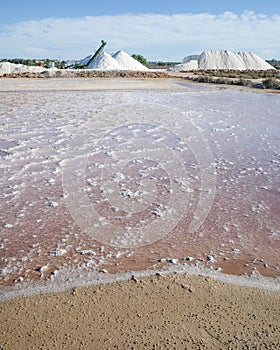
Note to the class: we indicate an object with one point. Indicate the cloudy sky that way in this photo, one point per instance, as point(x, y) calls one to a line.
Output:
point(158, 29)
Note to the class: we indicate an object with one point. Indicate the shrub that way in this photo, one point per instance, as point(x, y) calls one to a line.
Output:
point(244, 82)
point(140, 59)
point(271, 84)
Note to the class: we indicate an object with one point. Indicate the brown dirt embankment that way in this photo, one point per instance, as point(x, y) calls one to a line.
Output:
point(89, 74)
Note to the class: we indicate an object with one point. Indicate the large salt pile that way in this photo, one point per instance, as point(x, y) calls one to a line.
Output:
point(105, 62)
point(128, 62)
point(12, 68)
point(214, 59)
point(118, 61)
point(219, 60)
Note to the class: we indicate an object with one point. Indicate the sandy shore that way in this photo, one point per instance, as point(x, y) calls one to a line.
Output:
point(158, 312)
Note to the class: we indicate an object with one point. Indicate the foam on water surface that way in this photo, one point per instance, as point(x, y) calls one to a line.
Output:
point(129, 175)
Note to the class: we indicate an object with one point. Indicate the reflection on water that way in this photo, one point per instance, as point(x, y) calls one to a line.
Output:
point(38, 234)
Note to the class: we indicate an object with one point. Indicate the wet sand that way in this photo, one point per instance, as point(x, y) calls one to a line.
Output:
point(156, 312)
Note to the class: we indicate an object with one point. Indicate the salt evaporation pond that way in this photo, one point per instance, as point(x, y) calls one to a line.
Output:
point(72, 198)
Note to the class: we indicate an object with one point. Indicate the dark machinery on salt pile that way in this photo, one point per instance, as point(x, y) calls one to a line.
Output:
point(97, 54)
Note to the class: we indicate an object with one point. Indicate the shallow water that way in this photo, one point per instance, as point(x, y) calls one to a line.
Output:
point(89, 183)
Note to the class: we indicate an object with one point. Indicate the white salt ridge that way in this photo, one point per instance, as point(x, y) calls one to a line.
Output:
point(12, 68)
point(219, 59)
point(128, 62)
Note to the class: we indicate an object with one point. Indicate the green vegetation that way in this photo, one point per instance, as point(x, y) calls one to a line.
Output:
point(248, 74)
point(46, 62)
point(27, 62)
point(160, 64)
point(140, 59)
point(269, 83)
point(154, 64)
point(211, 79)
point(274, 63)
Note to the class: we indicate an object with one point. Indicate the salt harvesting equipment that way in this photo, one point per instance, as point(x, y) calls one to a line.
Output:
point(82, 64)
point(97, 53)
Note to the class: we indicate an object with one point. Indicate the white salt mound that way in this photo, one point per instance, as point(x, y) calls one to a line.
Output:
point(220, 59)
point(128, 62)
point(105, 62)
point(118, 61)
point(252, 61)
point(214, 59)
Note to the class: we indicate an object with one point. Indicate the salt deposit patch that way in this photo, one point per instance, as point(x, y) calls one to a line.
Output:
point(11, 68)
point(190, 65)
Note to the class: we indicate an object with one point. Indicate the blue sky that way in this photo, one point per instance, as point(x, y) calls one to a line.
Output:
point(158, 29)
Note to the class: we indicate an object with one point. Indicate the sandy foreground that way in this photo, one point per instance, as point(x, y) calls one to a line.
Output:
point(176, 80)
point(157, 312)
point(171, 311)
point(7, 84)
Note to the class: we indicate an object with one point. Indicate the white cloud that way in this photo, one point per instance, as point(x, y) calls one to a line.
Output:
point(157, 37)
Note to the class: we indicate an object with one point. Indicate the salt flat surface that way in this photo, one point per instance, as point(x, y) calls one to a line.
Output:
point(134, 160)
